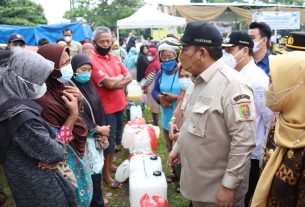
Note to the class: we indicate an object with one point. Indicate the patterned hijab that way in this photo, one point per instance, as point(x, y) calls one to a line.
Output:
point(287, 71)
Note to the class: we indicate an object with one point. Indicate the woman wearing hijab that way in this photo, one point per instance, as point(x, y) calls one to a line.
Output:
point(95, 119)
point(54, 112)
point(131, 61)
point(282, 182)
point(167, 89)
point(115, 49)
point(28, 144)
point(87, 49)
point(150, 74)
point(142, 63)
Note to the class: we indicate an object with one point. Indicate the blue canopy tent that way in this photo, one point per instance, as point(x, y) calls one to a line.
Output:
point(52, 32)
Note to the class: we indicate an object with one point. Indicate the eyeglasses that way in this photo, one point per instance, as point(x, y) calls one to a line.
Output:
point(167, 58)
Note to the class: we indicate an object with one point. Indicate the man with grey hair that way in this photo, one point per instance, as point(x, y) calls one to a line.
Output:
point(110, 77)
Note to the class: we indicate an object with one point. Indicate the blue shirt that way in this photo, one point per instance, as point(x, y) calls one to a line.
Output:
point(168, 84)
point(264, 63)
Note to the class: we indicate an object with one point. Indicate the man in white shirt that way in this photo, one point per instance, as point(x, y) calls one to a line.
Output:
point(239, 47)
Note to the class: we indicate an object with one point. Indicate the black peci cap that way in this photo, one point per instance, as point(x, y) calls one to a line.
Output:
point(296, 41)
point(238, 38)
point(200, 34)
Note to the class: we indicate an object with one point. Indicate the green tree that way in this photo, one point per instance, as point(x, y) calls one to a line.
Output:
point(21, 12)
point(103, 12)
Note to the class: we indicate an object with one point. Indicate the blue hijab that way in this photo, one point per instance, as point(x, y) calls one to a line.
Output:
point(131, 59)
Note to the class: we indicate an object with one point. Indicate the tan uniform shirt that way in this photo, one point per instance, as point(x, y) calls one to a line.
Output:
point(75, 48)
point(217, 134)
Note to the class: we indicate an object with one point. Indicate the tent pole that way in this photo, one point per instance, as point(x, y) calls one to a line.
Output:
point(118, 34)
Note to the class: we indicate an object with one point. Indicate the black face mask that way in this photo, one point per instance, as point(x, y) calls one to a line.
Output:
point(102, 51)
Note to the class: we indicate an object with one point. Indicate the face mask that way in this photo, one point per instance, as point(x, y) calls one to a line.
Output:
point(102, 51)
point(116, 52)
point(15, 49)
point(34, 91)
point(168, 65)
point(67, 38)
point(184, 83)
point(275, 100)
point(39, 91)
point(150, 58)
point(255, 46)
point(186, 61)
point(83, 77)
point(229, 59)
point(66, 74)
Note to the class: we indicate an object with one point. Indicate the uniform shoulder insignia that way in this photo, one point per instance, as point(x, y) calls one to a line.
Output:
point(245, 111)
point(241, 96)
point(243, 107)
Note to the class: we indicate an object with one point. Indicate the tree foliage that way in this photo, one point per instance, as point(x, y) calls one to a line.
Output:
point(21, 12)
point(103, 12)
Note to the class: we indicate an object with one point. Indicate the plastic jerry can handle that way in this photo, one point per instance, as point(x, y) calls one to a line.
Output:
point(157, 173)
point(153, 157)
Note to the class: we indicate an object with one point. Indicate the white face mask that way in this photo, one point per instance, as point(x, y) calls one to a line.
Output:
point(273, 100)
point(34, 91)
point(15, 49)
point(66, 73)
point(255, 46)
point(39, 91)
point(184, 83)
point(68, 38)
point(150, 58)
point(228, 59)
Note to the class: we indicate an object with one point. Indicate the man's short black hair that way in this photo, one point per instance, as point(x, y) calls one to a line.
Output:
point(66, 30)
point(60, 39)
point(264, 29)
point(43, 41)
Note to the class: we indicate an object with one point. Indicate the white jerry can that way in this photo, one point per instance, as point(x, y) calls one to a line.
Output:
point(141, 182)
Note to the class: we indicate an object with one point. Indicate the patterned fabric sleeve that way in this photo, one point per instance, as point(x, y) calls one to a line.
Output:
point(65, 135)
point(150, 78)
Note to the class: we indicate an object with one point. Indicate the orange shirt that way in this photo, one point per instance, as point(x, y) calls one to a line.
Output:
point(113, 100)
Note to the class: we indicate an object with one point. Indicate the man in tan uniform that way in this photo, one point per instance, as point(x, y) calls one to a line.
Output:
point(217, 134)
point(74, 47)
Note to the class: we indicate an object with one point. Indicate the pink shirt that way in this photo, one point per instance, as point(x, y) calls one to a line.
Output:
point(113, 100)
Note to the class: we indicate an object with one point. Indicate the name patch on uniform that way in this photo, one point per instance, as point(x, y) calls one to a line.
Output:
point(245, 111)
point(241, 96)
point(205, 100)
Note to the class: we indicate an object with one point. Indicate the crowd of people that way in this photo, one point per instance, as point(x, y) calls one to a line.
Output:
point(232, 115)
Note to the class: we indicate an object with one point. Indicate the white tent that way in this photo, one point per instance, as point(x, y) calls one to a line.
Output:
point(149, 17)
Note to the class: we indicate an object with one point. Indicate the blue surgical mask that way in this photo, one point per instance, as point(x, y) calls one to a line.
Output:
point(83, 77)
point(184, 83)
point(66, 74)
point(168, 65)
point(116, 52)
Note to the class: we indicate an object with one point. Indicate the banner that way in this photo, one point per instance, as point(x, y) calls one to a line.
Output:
point(278, 20)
